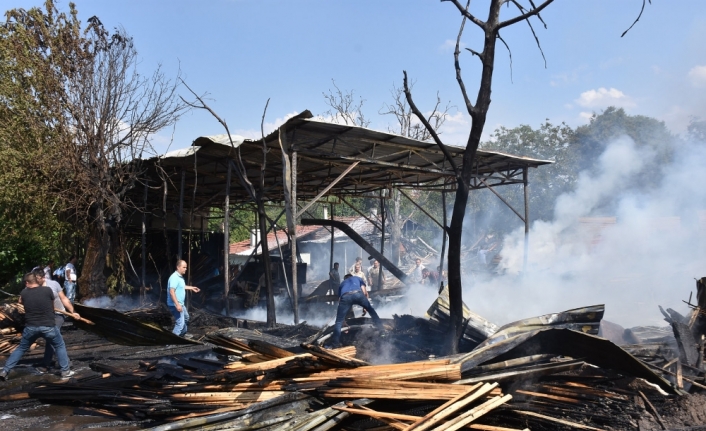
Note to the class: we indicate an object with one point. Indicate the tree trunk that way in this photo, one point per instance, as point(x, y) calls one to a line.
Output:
point(92, 284)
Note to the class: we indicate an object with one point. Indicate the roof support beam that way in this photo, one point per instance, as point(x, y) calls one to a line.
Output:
point(423, 210)
point(333, 183)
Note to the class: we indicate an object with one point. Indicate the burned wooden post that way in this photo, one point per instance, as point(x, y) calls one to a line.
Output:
point(525, 183)
point(382, 237)
point(180, 216)
point(330, 265)
point(226, 241)
point(144, 240)
point(443, 234)
point(293, 239)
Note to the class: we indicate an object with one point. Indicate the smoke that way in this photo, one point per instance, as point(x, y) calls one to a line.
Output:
point(648, 256)
point(120, 303)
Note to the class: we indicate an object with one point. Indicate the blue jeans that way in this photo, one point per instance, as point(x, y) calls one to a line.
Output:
point(180, 319)
point(48, 348)
point(30, 334)
point(345, 303)
point(70, 288)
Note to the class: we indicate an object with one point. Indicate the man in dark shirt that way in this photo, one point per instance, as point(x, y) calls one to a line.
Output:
point(38, 302)
point(351, 291)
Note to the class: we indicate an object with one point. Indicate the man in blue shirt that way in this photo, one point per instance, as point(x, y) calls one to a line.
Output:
point(351, 292)
point(176, 295)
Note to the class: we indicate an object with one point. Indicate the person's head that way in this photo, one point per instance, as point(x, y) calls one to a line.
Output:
point(347, 276)
point(39, 276)
point(30, 280)
point(335, 265)
point(418, 261)
point(376, 264)
point(181, 267)
point(425, 272)
point(50, 263)
point(358, 265)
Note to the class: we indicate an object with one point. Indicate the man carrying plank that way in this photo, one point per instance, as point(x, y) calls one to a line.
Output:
point(38, 302)
point(351, 292)
point(61, 303)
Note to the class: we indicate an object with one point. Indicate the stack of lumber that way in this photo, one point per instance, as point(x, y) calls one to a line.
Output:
point(11, 325)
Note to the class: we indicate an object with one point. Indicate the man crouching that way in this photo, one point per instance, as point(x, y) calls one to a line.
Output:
point(351, 292)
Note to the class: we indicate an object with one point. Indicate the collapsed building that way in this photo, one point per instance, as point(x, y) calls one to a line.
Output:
point(303, 162)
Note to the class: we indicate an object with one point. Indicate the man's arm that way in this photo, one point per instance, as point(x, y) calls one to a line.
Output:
point(193, 289)
point(172, 293)
point(69, 306)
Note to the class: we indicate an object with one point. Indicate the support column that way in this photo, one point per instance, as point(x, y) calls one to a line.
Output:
point(180, 216)
point(144, 241)
point(330, 265)
point(293, 239)
point(443, 233)
point(382, 239)
point(525, 183)
point(226, 241)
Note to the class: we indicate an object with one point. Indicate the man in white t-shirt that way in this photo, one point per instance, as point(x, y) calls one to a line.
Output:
point(71, 277)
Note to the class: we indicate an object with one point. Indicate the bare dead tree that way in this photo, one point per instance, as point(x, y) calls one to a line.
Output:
point(478, 111)
point(257, 195)
point(344, 108)
point(113, 112)
point(409, 126)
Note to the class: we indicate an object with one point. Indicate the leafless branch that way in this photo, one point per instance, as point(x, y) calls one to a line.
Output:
point(509, 53)
point(344, 107)
point(636, 19)
point(457, 63)
point(433, 133)
point(529, 23)
point(467, 14)
point(526, 15)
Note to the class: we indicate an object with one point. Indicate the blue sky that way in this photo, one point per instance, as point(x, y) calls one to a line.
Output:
point(244, 52)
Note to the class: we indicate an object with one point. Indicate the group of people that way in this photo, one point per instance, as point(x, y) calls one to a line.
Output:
point(374, 277)
point(45, 305)
point(422, 275)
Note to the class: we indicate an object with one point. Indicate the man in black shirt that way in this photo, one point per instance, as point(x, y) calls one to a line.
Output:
point(39, 322)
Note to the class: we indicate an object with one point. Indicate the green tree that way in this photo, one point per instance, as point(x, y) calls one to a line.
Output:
point(32, 133)
point(548, 142)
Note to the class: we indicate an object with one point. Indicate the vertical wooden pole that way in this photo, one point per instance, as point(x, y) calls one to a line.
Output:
point(293, 239)
point(443, 233)
point(525, 183)
point(144, 241)
point(382, 239)
point(226, 240)
point(181, 213)
point(166, 234)
point(330, 265)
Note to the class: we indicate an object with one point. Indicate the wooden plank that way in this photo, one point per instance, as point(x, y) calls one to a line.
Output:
point(453, 408)
point(473, 414)
point(557, 420)
point(442, 407)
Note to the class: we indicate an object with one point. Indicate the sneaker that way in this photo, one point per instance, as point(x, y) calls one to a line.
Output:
point(3, 375)
point(43, 369)
point(65, 375)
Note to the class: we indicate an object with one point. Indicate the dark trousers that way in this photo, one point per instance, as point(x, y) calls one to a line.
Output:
point(345, 303)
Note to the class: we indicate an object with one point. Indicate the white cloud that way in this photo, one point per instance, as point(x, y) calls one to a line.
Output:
point(697, 76)
point(586, 115)
point(449, 45)
point(268, 127)
point(603, 98)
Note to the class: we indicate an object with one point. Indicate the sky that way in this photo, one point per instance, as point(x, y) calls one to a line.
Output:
point(244, 52)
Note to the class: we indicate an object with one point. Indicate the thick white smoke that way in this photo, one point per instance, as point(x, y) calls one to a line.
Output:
point(648, 257)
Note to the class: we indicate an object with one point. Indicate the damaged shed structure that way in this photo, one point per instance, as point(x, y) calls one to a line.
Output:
point(302, 162)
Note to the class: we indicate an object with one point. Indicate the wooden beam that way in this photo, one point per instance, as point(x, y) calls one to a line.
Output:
point(333, 183)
